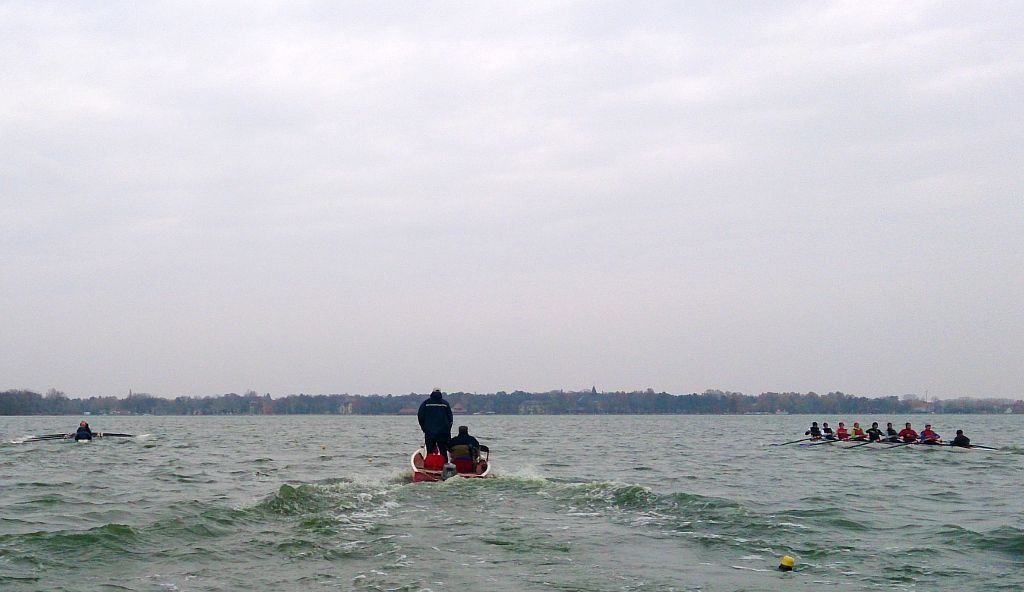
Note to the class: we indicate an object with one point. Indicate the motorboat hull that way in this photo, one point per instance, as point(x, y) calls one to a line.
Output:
point(480, 469)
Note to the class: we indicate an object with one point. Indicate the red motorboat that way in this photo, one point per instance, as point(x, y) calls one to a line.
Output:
point(431, 467)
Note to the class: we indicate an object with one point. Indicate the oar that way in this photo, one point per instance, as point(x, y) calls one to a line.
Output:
point(113, 435)
point(793, 442)
point(900, 444)
point(825, 441)
point(47, 437)
point(859, 445)
point(972, 446)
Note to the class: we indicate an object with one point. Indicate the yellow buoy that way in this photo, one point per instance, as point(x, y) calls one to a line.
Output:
point(787, 563)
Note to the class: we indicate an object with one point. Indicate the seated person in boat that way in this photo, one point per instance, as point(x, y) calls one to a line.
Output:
point(827, 431)
point(814, 432)
point(891, 433)
point(464, 450)
point(84, 432)
point(908, 434)
point(961, 440)
point(841, 432)
point(858, 433)
point(875, 434)
point(929, 436)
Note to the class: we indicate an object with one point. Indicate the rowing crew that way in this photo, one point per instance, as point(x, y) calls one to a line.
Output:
point(907, 435)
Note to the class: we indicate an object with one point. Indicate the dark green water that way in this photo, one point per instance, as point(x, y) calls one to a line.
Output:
point(579, 503)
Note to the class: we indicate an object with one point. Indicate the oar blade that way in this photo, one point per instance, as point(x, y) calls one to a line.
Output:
point(898, 445)
point(793, 442)
point(41, 438)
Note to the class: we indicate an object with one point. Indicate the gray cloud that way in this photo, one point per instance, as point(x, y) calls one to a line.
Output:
point(330, 197)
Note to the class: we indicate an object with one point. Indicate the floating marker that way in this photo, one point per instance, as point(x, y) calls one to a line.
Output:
point(786, 564)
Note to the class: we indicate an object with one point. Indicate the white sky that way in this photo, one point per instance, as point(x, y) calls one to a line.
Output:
point(199, 198)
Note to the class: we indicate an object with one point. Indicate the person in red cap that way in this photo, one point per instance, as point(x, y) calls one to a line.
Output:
point(84, 432)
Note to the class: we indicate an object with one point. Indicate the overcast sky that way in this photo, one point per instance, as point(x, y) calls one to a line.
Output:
point(199, 198)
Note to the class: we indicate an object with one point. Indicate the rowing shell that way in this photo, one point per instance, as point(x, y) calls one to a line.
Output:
point(885, 445)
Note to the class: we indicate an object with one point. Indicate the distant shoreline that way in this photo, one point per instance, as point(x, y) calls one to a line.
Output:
point(463, 415)
point(592, 402)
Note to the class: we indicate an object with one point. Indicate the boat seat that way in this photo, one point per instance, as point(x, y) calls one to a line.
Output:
point(463, 457)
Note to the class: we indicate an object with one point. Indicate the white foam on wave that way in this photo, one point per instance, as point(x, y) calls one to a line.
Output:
point(526, 472)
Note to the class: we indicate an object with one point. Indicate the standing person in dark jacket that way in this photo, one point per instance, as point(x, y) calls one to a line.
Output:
point(84, 432)
point(435, 416)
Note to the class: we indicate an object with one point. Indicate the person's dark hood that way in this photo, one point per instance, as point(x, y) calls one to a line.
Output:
point(436, 395)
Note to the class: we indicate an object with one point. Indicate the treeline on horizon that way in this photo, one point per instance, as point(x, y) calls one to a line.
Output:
point(591, 402)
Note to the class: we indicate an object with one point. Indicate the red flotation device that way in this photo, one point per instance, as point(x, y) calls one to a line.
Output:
point(433, 462)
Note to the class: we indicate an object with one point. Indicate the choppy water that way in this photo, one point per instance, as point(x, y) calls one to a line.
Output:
point(580, 503)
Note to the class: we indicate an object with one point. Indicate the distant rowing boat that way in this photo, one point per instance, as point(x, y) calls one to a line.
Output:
point(863, 445)
point(71, 437)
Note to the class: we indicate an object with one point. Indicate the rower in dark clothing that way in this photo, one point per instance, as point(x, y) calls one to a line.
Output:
point(435, 417)
point(891, 434)
point(961, 440)
point(84, 432)
point(827, 431)
point(814, 432)
point(874, 434)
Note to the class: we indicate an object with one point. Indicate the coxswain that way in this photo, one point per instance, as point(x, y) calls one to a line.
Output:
point(929, 436)
point(961, 440)
point(827, 431)
point(890, 433)
point(858, 433)
point(84, 432)
point(814, 432)
point(841, 432)
point(875, 434)
point(908, 434)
